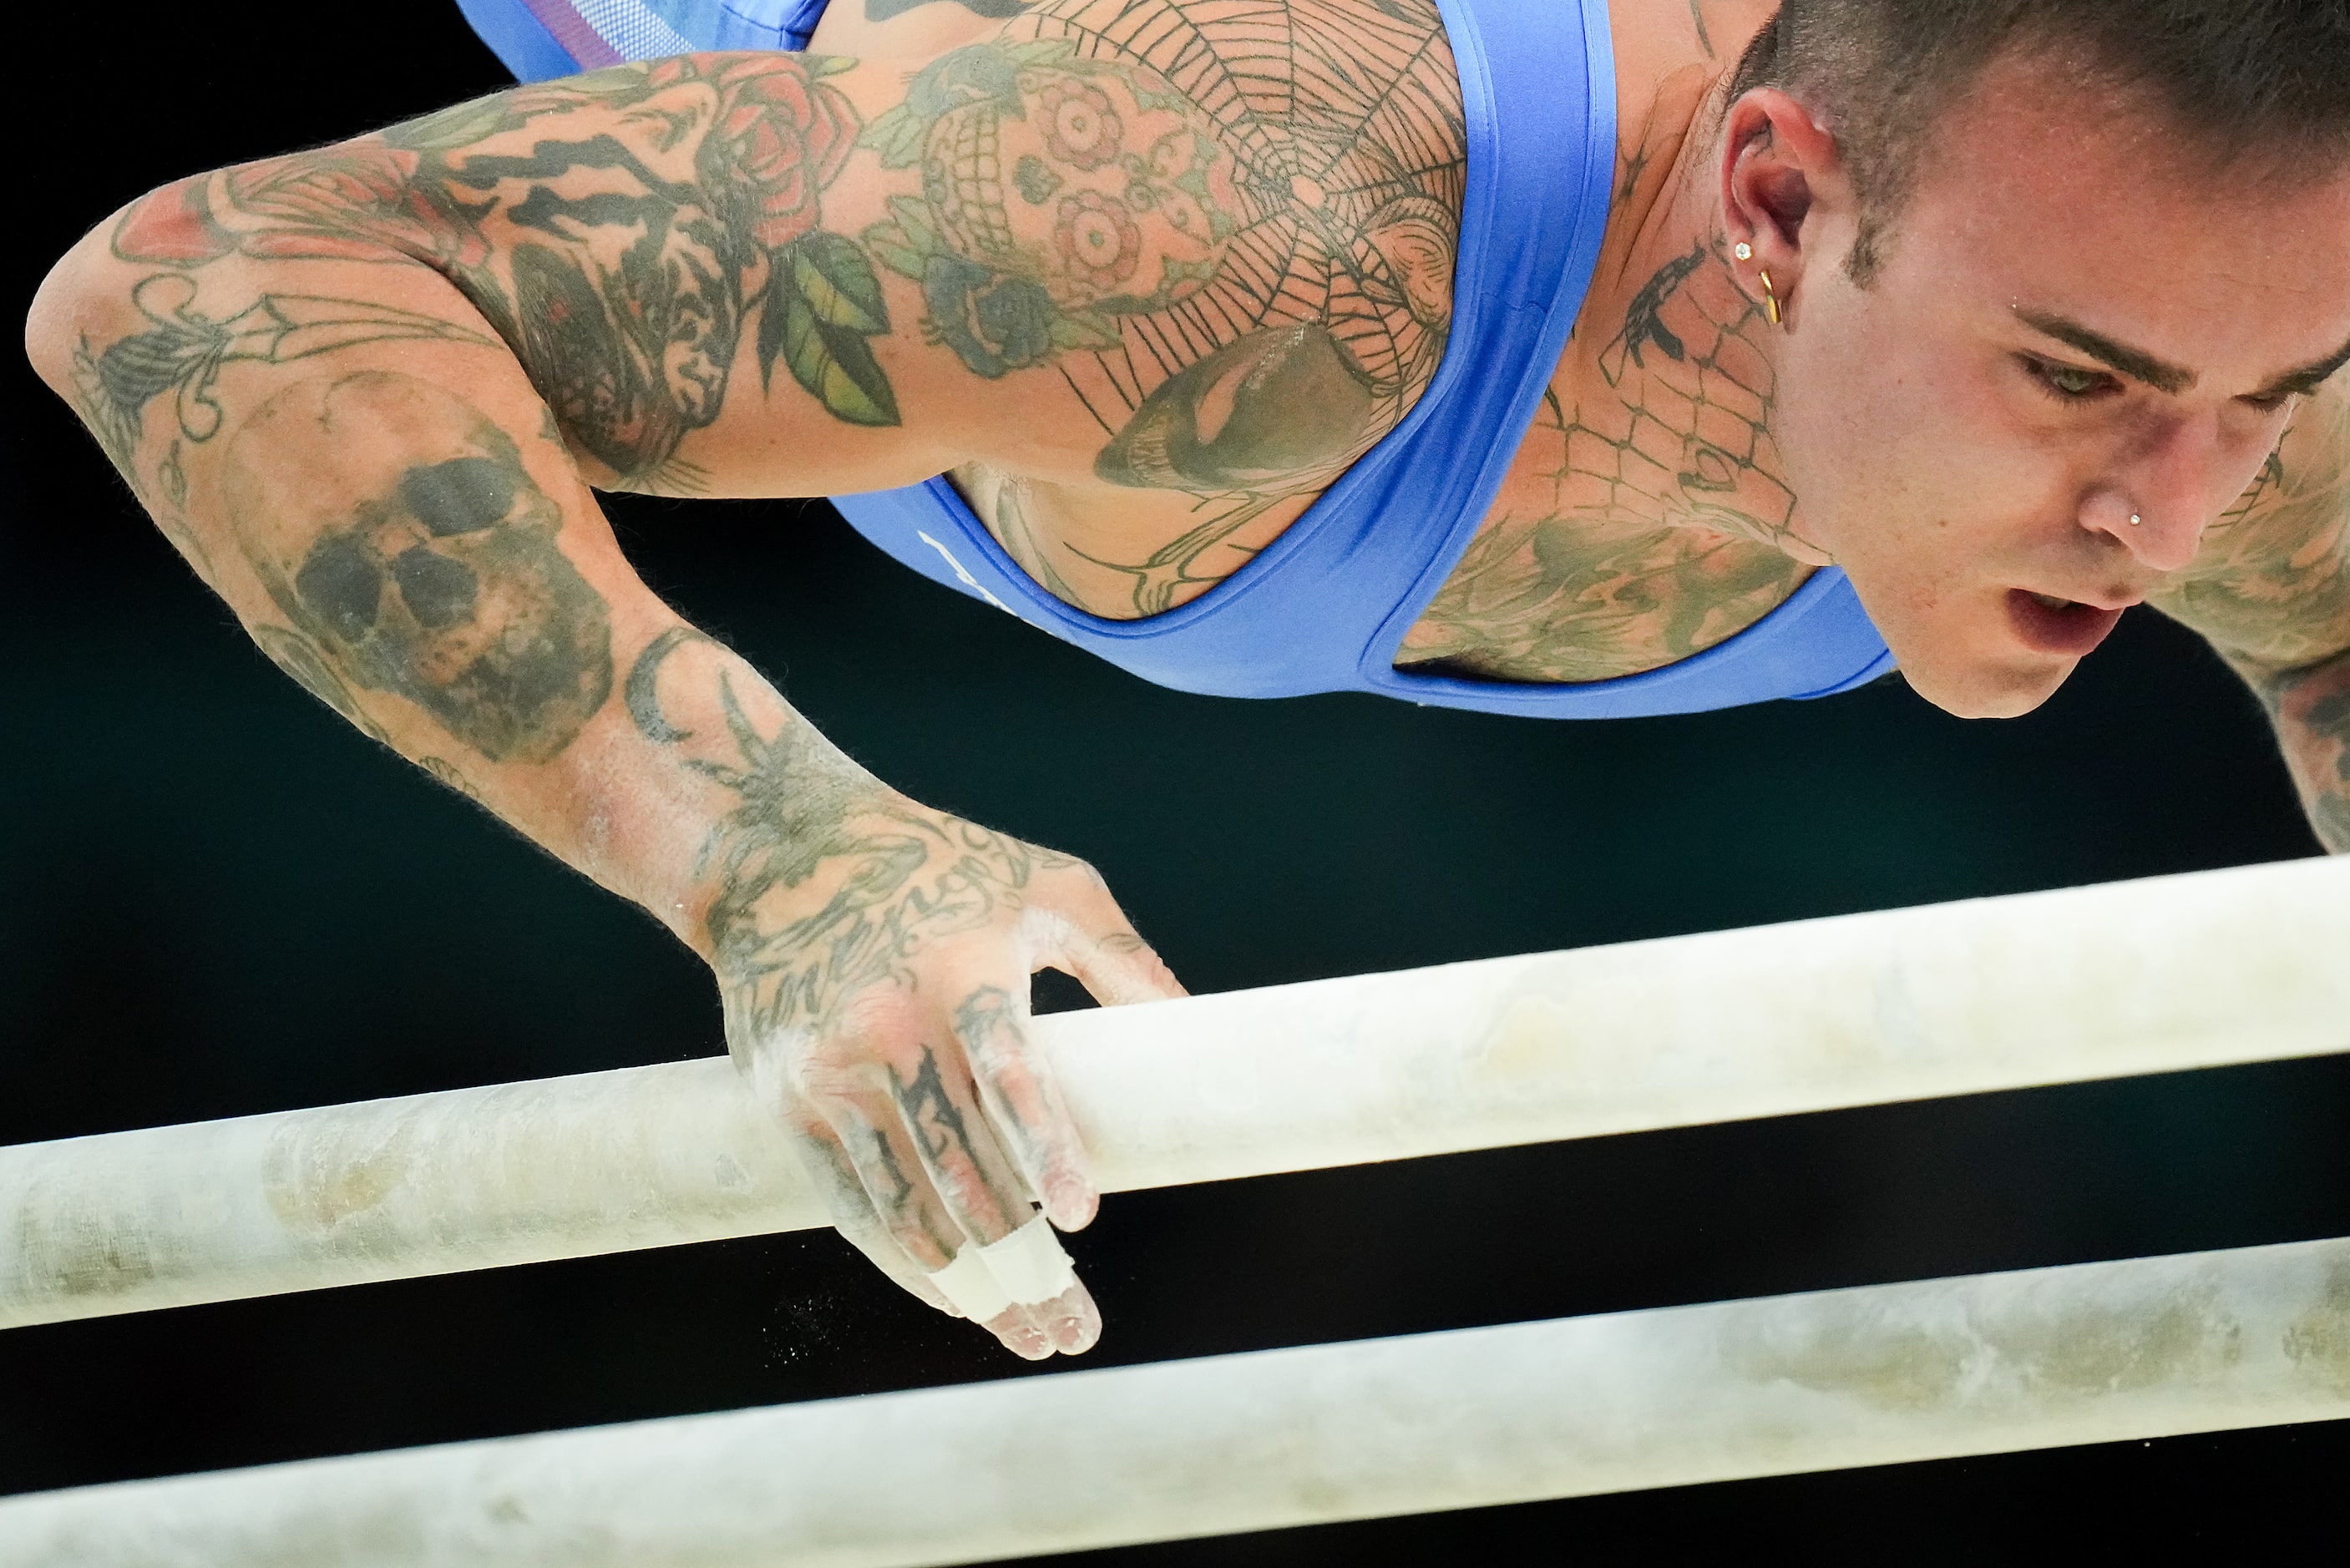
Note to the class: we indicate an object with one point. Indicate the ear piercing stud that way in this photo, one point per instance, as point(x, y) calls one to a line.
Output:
point(1742, 250)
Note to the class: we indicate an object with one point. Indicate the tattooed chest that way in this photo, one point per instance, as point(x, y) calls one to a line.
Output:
point(1546, 594)
point(1564, 597)
point(1644, 517)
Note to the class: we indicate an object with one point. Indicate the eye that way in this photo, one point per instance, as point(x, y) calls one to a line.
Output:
point(2068, 383)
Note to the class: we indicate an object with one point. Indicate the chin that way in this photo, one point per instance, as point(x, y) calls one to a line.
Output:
point(1987, 693)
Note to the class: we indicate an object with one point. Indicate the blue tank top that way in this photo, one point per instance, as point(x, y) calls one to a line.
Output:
point(1326, 606)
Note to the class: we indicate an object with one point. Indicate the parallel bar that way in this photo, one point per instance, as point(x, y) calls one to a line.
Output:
point(2130, 977)
point(1881, 1374)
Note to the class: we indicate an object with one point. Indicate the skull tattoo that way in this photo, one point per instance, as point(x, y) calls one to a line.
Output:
point(396, 527)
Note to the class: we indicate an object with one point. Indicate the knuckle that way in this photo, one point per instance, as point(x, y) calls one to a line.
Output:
point(832, 1085)
point(872, 1018)
point(1044, 929)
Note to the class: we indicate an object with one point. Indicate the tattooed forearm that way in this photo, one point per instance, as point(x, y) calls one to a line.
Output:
point(425, 567)
point(823, 881)
point(392, 525)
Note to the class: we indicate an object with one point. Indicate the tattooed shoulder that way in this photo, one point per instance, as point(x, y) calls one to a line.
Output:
point(2271, 589)
point(2270, 585)
point(1230, 231)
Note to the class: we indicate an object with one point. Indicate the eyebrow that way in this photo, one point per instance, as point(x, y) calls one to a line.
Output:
point(2160, 374)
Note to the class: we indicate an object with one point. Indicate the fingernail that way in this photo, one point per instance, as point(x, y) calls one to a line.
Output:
point(1073, 1203)
point(1022, 1334)
point(1073, 1318)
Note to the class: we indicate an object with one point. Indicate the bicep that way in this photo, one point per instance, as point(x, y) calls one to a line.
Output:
point(778, 274)
point(1069, 249)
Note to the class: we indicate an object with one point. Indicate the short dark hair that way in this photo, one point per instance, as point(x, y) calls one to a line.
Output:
point(2259, 82)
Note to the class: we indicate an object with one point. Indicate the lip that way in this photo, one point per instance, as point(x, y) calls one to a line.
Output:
point(2075, 630)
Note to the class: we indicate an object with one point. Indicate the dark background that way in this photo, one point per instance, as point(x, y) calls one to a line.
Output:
point(215, 899)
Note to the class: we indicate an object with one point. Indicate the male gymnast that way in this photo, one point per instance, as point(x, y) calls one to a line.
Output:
point(1544, 357)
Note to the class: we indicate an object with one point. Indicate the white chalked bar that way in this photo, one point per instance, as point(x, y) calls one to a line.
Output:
point(2155, 976)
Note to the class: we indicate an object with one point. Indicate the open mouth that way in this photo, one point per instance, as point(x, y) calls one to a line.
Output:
point(2051, 625)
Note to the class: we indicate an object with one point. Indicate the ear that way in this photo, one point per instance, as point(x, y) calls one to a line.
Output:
point(1784, 186)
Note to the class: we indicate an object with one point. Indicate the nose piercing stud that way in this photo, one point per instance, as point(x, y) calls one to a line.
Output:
point(2135, 520)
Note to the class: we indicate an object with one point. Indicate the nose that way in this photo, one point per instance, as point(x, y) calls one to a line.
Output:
point(2161, 536)
point(2158, 505)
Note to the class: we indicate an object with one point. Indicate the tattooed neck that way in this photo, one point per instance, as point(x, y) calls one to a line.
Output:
point(1648, 516)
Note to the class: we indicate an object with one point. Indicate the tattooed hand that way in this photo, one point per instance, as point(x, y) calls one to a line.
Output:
point(874, 956)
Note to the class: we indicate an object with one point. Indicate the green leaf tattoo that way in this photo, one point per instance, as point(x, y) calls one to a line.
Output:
point(619, 230)
point(822, 305)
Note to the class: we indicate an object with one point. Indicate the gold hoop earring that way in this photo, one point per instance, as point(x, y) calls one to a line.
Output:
point(1769, 300)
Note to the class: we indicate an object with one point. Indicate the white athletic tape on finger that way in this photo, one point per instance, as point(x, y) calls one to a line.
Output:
point(971, 1285)
point(1027, 1267)
point(1029, 1263)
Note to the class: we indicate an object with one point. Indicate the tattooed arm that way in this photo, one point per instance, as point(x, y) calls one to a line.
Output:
point(361, 422)
point(2271, 589)
point(1187, 257)
point(1152, 258)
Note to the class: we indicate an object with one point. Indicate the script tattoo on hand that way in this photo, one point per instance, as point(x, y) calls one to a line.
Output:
point(825, 881)
point(621, 230)
point(1667, 511)
point(1231, 230)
